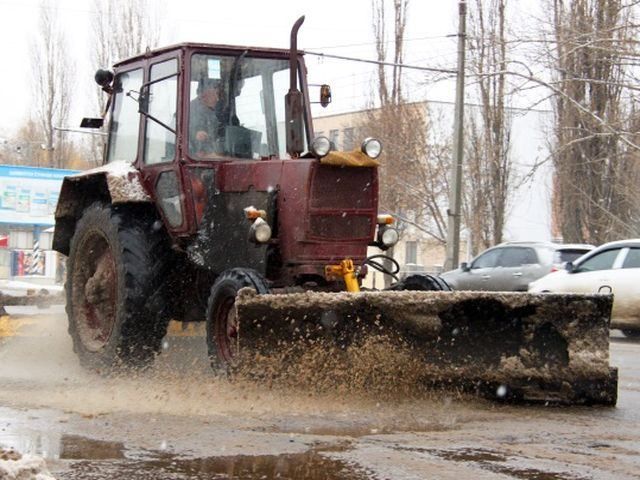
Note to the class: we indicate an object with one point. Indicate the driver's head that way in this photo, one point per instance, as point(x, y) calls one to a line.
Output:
point(209, 91)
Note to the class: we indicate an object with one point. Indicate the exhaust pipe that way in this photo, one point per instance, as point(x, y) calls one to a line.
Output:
point(294, 100)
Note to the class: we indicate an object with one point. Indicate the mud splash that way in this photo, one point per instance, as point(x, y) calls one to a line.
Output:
point(377, 368)
point(41, 370)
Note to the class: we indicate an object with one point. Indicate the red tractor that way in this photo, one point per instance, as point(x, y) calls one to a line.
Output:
point(212, 183)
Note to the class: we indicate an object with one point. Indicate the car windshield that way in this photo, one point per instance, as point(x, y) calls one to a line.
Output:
point(237, 107)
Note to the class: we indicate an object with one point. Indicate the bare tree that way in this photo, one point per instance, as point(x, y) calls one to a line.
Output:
point(390, 121)
point(120, 30)
point(595, 155)
point(52, 82)
point(488, 164)
point(400, 8)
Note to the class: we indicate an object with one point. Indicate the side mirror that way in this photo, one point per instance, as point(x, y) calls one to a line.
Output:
point(325, 95)
point(104, 78)
point(569, 267)
point(464, 266)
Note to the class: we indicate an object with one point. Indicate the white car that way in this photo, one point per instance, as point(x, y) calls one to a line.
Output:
point(611, 268)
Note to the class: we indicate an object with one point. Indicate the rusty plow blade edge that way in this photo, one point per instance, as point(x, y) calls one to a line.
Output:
point(507, 346)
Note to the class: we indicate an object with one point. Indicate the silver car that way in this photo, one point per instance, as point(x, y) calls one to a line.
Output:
point(512, 266)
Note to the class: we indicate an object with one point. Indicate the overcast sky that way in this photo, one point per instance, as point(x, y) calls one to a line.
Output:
point(340, 27)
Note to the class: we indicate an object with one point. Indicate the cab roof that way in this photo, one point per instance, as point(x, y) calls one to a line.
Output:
point(262, 51)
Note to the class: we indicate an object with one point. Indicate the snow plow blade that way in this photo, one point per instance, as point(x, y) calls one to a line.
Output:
point(506, 346)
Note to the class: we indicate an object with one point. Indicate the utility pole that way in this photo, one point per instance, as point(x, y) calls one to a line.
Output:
point(455, 194)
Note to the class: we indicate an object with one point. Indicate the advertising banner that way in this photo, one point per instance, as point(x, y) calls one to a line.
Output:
point(29, 195)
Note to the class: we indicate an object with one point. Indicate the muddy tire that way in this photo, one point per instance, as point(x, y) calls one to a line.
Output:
point(222, 326)
point(631, 333)
point(116, 263)
point(422, 282)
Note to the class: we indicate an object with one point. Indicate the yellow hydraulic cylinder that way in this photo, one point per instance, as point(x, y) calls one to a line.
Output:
point(346, 271)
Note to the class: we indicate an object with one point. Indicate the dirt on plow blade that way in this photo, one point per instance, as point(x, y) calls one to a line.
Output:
point(506, 346)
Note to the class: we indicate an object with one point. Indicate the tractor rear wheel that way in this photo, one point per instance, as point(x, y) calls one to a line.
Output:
point(222, 322)
point(116, 264)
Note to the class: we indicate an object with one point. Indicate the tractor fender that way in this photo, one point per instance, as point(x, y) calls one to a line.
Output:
point(114, 183)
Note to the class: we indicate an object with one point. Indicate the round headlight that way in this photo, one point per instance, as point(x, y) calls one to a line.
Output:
point(371, 147)
point(260, 231)
point(389, 237)
point(320, 146)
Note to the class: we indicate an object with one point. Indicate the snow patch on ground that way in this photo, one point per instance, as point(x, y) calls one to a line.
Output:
point(14, 466)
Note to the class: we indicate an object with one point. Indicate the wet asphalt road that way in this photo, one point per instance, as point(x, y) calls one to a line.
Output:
point(179, 422)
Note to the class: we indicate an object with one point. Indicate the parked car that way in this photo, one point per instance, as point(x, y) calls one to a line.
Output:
point(569, 252)
point(511, 266)
point(613, 267)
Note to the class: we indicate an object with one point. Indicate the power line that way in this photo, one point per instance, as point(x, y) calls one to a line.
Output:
point(366, 44)
point(377, 62)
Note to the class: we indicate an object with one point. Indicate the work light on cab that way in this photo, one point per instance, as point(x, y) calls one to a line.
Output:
point(320, 146)
point(371, 147)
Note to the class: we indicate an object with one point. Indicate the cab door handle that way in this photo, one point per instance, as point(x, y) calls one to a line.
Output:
point(486, 277)
point(517, 274)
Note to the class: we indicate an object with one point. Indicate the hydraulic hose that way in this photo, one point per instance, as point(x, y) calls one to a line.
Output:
point(373, 262)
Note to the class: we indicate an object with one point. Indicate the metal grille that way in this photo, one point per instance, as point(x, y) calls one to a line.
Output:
point(335, 187)
point(336, 227)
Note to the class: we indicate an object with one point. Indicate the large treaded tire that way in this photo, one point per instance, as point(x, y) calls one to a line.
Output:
point(422, 282)
point(221, 322)
point(117, 262)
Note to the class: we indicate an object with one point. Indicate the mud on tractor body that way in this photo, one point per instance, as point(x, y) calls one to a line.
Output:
point(212, 184)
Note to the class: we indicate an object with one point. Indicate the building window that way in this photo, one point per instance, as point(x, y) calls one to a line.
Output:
point(333, 137)
point(411, 252)
point(349, 139)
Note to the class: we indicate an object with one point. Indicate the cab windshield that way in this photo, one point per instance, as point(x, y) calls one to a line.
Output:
point(236, 107)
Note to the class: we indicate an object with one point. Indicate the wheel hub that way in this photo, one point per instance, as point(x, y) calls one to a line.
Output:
point(94, 292)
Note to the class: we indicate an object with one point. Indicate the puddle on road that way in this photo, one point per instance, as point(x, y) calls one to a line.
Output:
point(306, 466)
point(75, 447)
point(311, 465)
point(76, 457)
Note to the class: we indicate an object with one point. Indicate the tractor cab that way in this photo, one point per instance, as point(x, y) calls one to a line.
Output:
point(187, 107)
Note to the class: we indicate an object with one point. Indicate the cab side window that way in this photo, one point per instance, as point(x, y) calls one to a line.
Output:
point(162, 101)
point(125, 119)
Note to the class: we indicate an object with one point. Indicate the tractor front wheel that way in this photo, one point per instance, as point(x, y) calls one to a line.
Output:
point(222, 322)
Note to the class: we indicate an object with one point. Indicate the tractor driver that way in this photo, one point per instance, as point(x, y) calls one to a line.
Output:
point(206, 126)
